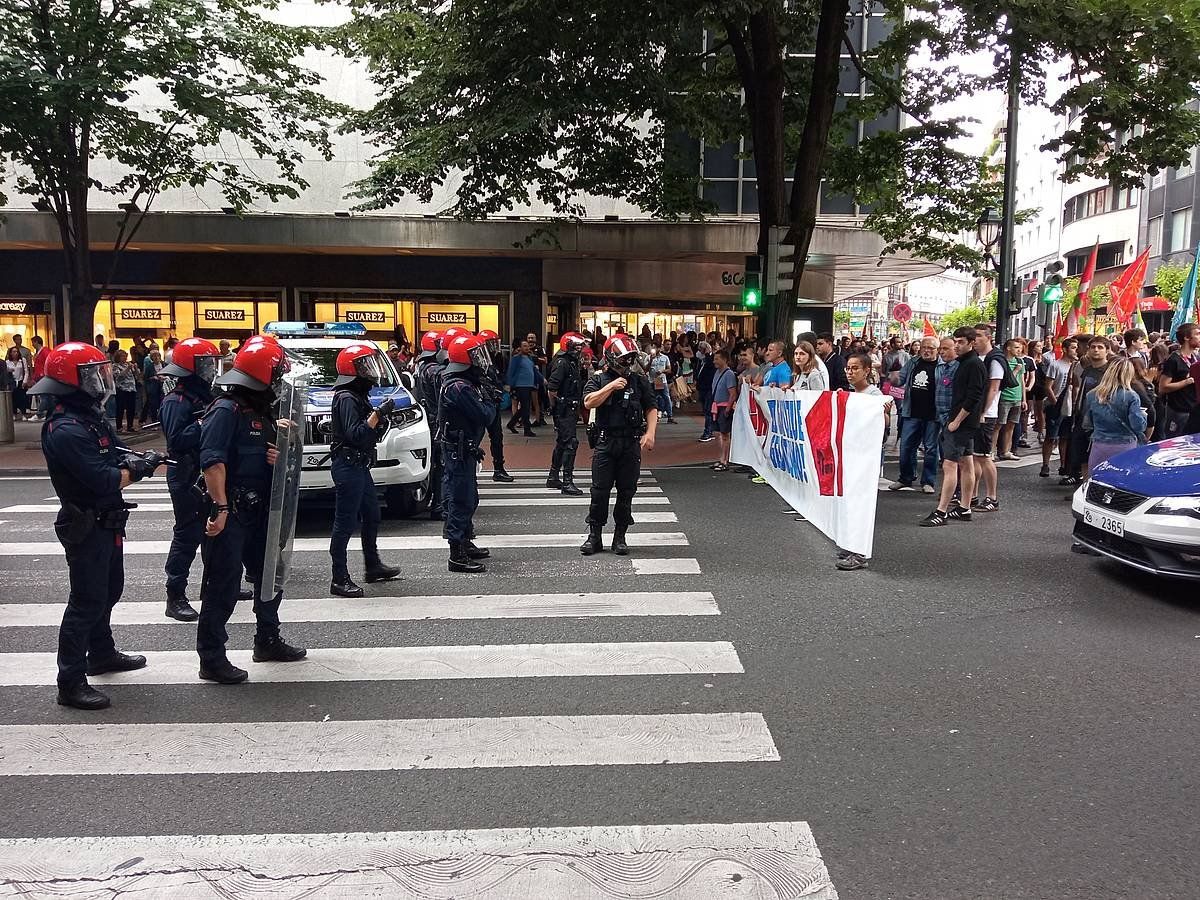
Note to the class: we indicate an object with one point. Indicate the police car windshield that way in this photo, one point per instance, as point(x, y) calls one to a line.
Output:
point(324, 361)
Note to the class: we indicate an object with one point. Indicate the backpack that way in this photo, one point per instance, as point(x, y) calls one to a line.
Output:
point(1010, 379)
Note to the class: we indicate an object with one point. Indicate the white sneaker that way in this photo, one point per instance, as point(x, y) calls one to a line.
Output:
point(928, 489)
point(899, 486)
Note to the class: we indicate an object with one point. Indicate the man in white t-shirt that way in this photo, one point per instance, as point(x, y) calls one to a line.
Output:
point(989, 476)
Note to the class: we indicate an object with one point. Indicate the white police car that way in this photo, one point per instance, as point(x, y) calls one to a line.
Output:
point(402, 468)
point(1142, 508)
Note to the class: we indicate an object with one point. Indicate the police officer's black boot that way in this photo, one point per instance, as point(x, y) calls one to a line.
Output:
point(500, 474)
point(460, 559)
point(377, 570)
point(552, 479)
point(476, 552)
point(618, 545)
point(118, 662)
point(344, 587)
point(245, 594)
point(568, 476)
point(222, 671)
point(179, 607)
point(82, 695)
point(277, 650)
point(594, 542)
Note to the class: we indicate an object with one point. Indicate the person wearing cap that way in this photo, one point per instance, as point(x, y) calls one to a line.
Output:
point(357, 428)
point(88, 468)
point(565, 385)
point(195, 363)
point(237, 457)
point(494, 388)
point(426, 378)
point(465, 411)
point(624, 424)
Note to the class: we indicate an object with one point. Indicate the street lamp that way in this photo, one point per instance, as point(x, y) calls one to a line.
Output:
point(987, 229)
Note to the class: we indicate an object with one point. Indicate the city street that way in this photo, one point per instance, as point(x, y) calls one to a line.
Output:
point(981, 714)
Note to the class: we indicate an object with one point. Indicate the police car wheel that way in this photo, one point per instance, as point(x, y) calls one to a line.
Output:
point(408, 500)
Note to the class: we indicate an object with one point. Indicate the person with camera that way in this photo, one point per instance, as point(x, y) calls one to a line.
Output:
point(88, 469)
point(624, 422)
point(238, 456)
point(357, 427)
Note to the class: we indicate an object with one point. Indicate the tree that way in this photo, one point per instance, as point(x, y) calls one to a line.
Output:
point(170, 92)
point(842, 317)
point(1169, 279)
point(556, 99)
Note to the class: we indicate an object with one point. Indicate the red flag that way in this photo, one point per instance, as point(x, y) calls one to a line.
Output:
point(1085, 288)
point(1060, 329)
point(1126, 289)
point(929, 329)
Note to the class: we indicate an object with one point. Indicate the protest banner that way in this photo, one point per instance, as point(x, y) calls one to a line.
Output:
point(821, 451)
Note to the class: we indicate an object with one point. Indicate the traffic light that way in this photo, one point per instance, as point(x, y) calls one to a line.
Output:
point(752, 293)
point(1052, 287)
point(781, 261)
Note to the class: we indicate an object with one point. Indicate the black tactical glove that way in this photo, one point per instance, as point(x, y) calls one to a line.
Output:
point(140, 466)
point(386, 408)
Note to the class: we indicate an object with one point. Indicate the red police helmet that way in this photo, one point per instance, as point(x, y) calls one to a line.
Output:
point(194, 356)
point(451, 333)
point(75, 366)
point(466, 351)
point(358, 360)
point(429, 341)
point(572, 341)
point(259, 365)
point(620, 353)
point(490, 339)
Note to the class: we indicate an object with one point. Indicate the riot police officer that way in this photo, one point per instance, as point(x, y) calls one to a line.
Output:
point(196, 363)
point(565, 386)
point(426, 384)
point(465, 412)
point(357, 428)
point(89, 469)
point(237, 457)
point(624, 424)
point(493, 384)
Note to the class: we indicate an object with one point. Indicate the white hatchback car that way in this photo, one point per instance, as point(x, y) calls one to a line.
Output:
point(401, 471)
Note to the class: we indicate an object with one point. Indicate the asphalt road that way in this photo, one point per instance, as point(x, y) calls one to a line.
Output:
point(981, 714)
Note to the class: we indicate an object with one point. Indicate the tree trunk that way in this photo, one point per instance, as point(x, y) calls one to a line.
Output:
point(810, 156)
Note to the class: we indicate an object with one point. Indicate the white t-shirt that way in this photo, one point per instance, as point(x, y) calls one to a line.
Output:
point(995, 370)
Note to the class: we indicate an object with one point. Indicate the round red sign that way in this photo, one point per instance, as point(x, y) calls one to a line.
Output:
point(902, 312)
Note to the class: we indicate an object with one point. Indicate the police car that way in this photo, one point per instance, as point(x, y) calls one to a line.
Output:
point(402, 468)
point(1142, 508)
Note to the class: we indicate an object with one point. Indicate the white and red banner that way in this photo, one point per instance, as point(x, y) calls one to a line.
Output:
point(821, 451)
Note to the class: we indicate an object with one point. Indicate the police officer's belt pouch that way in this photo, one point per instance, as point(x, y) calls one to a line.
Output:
point(593, 435)
point(76, 524)
point(115, 519)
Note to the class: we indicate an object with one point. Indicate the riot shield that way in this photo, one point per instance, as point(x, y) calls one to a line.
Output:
point(285, 482)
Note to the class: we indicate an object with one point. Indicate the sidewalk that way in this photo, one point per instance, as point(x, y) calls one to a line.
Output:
point(24, 455)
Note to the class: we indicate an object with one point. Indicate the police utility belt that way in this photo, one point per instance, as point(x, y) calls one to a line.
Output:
point(364, 459)
point(81, 521)
point(244, 503)
point(457, 442)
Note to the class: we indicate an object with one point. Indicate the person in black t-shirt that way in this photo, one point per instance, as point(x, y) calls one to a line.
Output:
point(1177, 385)
point(918, 413)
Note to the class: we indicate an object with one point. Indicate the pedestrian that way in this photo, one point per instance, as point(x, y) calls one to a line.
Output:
point(493, 386)
point(779, 367)
point(169, 349)
point(465, 412)
point(1114, 414)
point(1177, 382)
point(724, 396)
point(943, 395)
point(660, 375)
point(1143, 386)
point(237, 457)
point(125, 376)
point(959, 439)
point(858, 373)
point(88, 473)
point(1058, 406)
point(999, 376)
point(152, 366)
point(565, 387)
point(1086, 377)
point(522, 382)
point(919, 420)
point(357, 427)
point(227, 356)
point(703, 375)
point(625, 422)
point(807, 372)
point(195, 366)
point(18, 376)
point(1013, 401)
point(1027, 352)
point(834, 363)
point(40, 354)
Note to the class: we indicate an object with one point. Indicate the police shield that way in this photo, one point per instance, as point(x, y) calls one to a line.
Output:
point(285, 483)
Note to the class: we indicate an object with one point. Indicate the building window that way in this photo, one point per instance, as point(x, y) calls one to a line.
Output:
point(1188, 166)
point(1154, 238)
point(1097, 202)
point(1181, 230)
point(1158, 179)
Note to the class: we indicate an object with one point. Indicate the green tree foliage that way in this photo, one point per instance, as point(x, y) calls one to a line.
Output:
point(969, 315)
point(556, 99)
point(1169, 279)
point(842, 317)
point(173, 92)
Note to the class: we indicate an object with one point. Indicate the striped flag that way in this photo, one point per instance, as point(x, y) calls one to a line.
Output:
point(1085, 288)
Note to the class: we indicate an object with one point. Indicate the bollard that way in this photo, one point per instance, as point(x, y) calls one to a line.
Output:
point(7, 434)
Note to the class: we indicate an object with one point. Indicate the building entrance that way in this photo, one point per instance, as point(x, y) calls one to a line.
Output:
point(663, 322)
point(25, 317)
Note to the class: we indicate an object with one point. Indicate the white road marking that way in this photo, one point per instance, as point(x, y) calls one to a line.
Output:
point(404, 609)
point(506, 490)
point(54, 507)
point(564, 501)
point(222, 748)
point(417, 663)
point(1034, 459)
point(666, 566)
point(409, 542)
point(638, 862)
point(650, 518)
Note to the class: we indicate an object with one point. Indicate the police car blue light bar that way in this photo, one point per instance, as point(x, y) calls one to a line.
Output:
point(316, 329)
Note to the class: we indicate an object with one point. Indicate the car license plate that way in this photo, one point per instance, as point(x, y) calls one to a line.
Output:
point(1104, 522)
point(316, 460)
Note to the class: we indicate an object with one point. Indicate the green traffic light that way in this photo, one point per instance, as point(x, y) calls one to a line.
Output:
point(1052, 293)
point(750, 298)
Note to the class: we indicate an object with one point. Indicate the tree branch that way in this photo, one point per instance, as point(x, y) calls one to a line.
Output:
point(888, 89)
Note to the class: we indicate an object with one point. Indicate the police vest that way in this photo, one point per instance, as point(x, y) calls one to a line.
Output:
point(458, 398)
point(69, 487)
point(246, 466)
point(187, 466)
point(623, 410)
point(358, 453)
point(567, 375)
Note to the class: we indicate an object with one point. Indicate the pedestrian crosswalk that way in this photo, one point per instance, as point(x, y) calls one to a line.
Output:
point(548, 664)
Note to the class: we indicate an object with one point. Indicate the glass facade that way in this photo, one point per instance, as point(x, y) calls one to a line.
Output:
point(404, 316)
point(610, 321)
point(180, 313)
point(26, 317)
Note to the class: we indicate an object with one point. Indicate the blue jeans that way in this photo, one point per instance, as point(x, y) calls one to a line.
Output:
point(924, 433)
point(706, 405)
point(662, 399)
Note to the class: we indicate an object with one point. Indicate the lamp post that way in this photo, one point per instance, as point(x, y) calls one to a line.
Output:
point(1008, 266)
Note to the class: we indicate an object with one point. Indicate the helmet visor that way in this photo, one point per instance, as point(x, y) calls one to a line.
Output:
point(369, 369)
point(96, 380)
point(207, 368)
point(626, 363)
point(480, 358)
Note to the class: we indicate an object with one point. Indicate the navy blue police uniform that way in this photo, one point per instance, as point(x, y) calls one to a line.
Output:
point(618, 424)
point(493, 389)
point(428, 382)
point(566, 382)
point(84, 463)
point(180, 418)
point(465, 413)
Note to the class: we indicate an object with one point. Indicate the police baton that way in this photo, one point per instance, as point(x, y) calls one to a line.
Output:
point(166, 459)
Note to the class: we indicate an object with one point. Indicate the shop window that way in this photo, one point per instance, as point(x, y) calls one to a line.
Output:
point(1181, 230)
